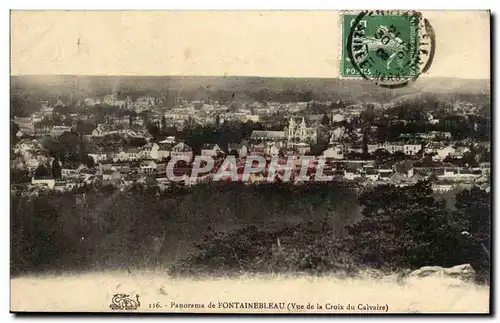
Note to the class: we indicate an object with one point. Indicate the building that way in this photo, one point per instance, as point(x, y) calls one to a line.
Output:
point(337, 117)
point(46, 181)
point(272, 149)
point(182, 150)
point(98, 157)
point(59, 130)
point(111, 175)
point(210, 150)
point(300, 132)
point(293, 133)
point(485, 168)
point(148, 166)
point(128, 155)
point(239, 149)
point(404, 168)
point(443, 153)
point(266, 135)
point(337, 134)
point(150, 151)
point(411, 149)
point(168, 140)
point(301, 148)
point(335, 152)
point(164, 150)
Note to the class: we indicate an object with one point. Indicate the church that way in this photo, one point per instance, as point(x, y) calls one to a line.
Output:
point(292, 134)
point(300, 132)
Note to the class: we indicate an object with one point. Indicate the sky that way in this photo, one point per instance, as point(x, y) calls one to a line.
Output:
point(243, 43)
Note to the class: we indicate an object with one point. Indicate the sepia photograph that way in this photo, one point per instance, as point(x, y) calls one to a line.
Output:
point(272, 162)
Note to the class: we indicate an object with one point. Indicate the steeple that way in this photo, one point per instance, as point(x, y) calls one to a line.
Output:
point(291, 128)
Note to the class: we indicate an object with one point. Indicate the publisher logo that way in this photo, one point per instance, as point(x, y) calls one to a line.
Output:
point(124, 302)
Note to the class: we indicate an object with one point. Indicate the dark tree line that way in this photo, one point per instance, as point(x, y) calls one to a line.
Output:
point(319, 225)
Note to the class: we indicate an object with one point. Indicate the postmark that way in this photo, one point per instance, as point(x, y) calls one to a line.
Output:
point(389, 48)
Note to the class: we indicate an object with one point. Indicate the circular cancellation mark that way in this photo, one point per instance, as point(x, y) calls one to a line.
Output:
point(390, 48)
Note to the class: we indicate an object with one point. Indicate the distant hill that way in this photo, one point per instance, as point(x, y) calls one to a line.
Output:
point(254, 88)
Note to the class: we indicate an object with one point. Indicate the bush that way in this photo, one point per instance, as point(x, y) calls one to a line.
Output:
point(291, 250)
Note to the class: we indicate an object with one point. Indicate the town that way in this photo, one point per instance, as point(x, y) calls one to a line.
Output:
point(121, 141)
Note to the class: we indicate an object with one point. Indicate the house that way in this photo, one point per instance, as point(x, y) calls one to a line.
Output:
point(237, 149)
point(258, 149)
point(352, 171)
point(265, 135)
point(182, 150)
point(443, 135)
point(442, 153)
point(272, 149)
point(391, 147)
point(431, 119)
point(442, 187)
point(459, 152)
point(168, 140)
point(335, 152)
point(210, 150)
point(485, 168)
point(129, 155)
point(59, 130)
point(372, 174)
point(404, 168)
point(457, 174)
point(98, 157)
point(61, 186)
point(385, 176)
point(86, 173)
point(67, 172)
point(148, 166)
point(44, 181)
point(337, 117)
point(351, 174)
point(411, 149)
point(337, 134)
point(150, 151)
point(164, 150)
point(111, 175)
point(385, 172)
point(433, 147)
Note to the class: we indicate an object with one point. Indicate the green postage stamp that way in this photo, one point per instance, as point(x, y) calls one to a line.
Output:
point(390, 48)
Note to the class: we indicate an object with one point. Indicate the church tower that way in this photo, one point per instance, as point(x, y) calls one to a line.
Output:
point(291, 129)
point(302, 130)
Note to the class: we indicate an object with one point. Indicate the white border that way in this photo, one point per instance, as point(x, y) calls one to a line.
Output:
point(192, 5)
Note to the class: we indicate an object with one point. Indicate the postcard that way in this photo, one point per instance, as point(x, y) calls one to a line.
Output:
point(271, 162)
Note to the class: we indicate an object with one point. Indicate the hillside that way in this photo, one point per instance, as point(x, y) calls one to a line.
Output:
point(279, 89)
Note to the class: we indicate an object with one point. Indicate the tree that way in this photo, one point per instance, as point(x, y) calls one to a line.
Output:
point(475, 207)
point(407, 227)
point(475, 204)
point(41, 172)
point(365, 142)
point(89, 161)
point(382, 155)
point(14, 129)
point(163, 124)
point(56, 169)
point(326, 120)
point(234, 152)
point(153, 130)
